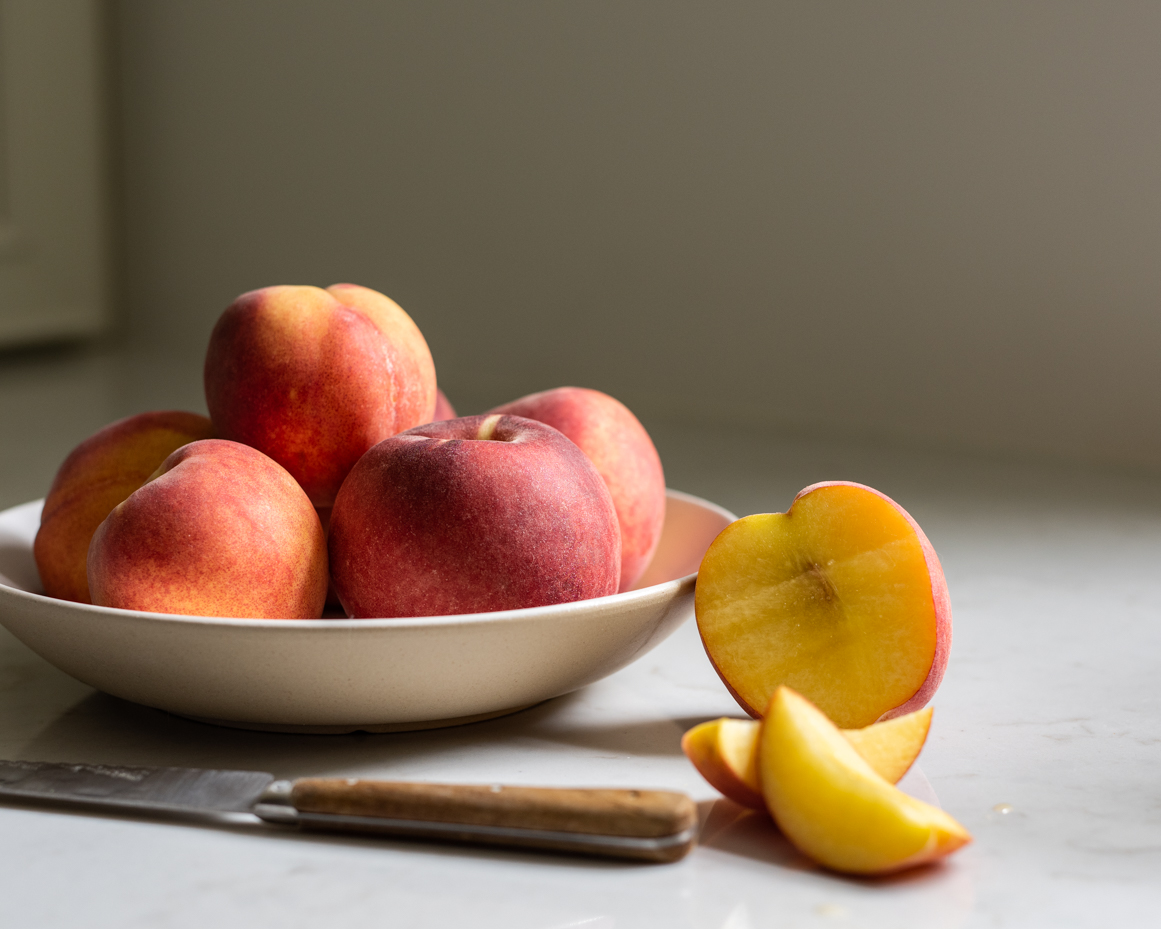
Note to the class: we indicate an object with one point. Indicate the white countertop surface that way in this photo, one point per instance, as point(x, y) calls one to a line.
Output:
point(1051, 710)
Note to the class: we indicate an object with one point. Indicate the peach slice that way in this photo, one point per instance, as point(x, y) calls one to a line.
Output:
point(831, 804)
point(891, 747)
point(725, 752)
point(842, 598)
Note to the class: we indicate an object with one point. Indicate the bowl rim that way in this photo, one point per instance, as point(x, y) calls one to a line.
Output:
point(594, 604)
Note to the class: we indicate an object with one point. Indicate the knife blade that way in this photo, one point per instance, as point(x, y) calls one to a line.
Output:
point(647, 825)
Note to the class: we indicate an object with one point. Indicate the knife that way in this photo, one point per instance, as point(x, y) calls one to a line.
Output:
point(647, 825)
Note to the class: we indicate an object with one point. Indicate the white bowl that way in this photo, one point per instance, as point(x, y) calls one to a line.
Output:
point(341, 675)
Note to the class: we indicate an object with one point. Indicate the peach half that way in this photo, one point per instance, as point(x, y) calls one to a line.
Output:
point(725, 752)
point(829, 802)
point(842, 598)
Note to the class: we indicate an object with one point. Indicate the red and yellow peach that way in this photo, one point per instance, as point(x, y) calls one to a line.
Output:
point(221, 530)
point(97, 475)
point(622, 452)
point(472, 515)
point(313, 378)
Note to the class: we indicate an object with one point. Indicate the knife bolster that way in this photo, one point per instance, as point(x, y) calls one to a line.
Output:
point(275, 804)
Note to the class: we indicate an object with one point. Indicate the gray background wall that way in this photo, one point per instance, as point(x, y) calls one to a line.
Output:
point(937, 222)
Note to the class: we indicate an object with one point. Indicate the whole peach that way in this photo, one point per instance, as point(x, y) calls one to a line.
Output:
point(222, 530)
point(313, 378)
point(623, 454)
point(97, 475)
point(471, 515)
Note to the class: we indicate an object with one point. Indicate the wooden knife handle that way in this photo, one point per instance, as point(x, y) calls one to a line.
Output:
point(622, 817)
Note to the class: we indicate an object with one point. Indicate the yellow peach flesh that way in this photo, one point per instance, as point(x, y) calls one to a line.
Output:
point(833, 598)
point(891, 747)
point(832, 805)
point(725, 752)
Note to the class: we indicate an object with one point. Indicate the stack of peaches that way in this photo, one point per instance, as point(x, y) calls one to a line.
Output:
point(331, 465)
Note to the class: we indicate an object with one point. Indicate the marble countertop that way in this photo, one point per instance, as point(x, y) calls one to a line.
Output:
point(1046, 741)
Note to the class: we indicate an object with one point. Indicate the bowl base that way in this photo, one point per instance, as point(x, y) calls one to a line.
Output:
point(368, 727)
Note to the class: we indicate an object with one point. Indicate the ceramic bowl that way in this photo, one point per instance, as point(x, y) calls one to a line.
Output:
point(342, 675)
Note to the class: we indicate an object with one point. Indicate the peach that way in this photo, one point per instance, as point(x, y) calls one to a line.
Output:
point(313, 378)
point(332, 605)
point(97, 475)
point(829, 802)
point(221, 530)
point(725, 752)
point(623, 454)
point(470, 515)
point(841, 598)
point(891, 747)
point(443, 408)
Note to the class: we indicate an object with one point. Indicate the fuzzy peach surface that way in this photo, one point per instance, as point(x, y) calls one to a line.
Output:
point(223, 530)
point(443, 408)
point(623, 454)
point(471, 515)
point(96, 476)
point(313, 378)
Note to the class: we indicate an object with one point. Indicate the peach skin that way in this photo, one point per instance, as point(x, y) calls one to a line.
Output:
point(623, 454)
point(221, 530)
point(472, 515)
point(313, 378)
point(443, 408)
point(97, 475)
